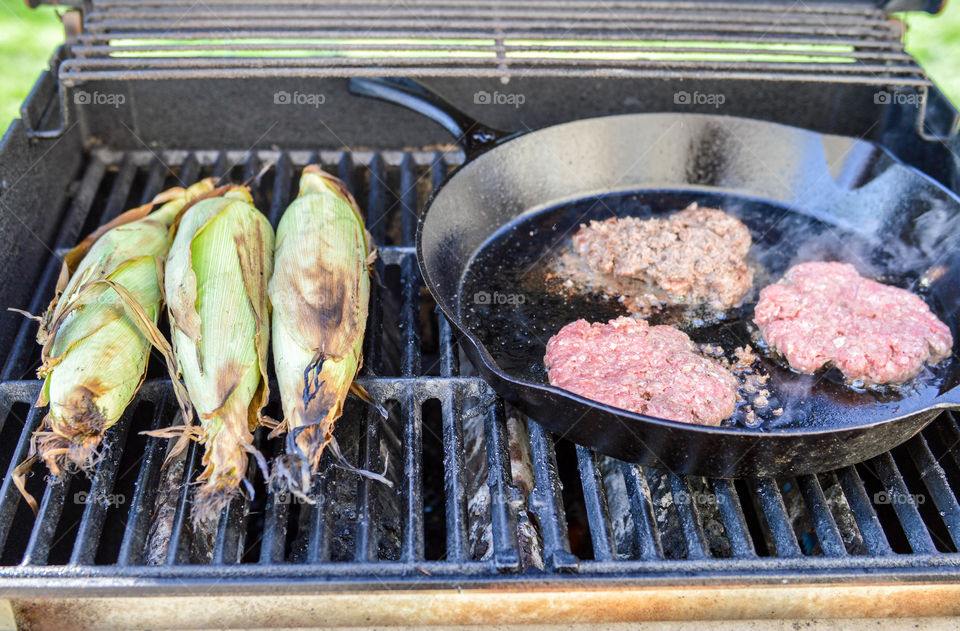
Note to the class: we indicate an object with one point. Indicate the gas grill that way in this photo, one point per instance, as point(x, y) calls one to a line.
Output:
point(490, 518)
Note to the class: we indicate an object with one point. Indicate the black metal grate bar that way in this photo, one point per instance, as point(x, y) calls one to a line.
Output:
point(903, 503)
point(154, 183)
point(596, 503)
point(831, 541)
point(366, 549)
point(546, 501)
point(228, 545)
point(949, 437)
point(141, 505)
point(498, 473)
point(409, 200)
point(178, 544)
point(731, 511)
point(935, 480)
point(116, 202)
point(99, 498)
point(48, 518)
point(647, 539)
point(10, 499)
point(276, 513)
point(687, 503)
point(775, 512)
point(413, 480)
point(453, 476)
point(410, 319)
point(366, 535)
point(868, 522)
point(190, 171)
point(318, 547)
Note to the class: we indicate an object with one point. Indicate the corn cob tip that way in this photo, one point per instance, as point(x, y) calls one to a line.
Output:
point(71, 437)
point(220, 483)
point(63, 448)
point(291, 474)
point(212, 497)
point(292, 471)
point(69, 452)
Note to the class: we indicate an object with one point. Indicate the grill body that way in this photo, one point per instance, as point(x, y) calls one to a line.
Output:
point(527, 525)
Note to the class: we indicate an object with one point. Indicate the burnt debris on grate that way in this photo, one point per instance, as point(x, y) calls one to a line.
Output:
point(478, 489)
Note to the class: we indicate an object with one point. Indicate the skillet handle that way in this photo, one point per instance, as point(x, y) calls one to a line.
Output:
point(472, 136)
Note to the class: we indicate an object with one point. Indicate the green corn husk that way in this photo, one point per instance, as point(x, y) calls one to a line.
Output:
point(216, 276)
point(98, 330)
point(320, 290)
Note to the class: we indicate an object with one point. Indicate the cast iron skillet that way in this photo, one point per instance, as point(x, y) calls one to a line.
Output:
point(487, 236)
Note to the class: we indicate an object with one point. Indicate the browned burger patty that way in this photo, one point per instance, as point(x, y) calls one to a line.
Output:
point(653, 370)
point(696, 255)
point(827, 313)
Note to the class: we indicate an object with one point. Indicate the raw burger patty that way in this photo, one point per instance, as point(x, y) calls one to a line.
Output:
point(695, 255)
point(653, 370)
point(824, 313)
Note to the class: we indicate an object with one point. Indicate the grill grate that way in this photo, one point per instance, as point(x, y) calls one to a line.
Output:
point(815, 41)
point(448, 520)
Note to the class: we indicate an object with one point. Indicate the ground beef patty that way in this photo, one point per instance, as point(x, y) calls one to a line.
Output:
point(826, 313)
point(654, 370)
point(695, 255)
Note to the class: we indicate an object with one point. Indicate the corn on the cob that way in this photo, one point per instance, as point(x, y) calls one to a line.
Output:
point(98, 330)
point(320, 291)
point(216, 277)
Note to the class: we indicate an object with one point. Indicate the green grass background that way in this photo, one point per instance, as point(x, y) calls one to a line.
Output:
point(29, 36)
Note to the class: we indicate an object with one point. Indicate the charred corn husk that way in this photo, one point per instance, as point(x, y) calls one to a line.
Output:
point(98, 331)
point(216, 276)
point(320, 291)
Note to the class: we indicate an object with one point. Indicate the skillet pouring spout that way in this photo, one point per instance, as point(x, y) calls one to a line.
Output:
point(494, 225)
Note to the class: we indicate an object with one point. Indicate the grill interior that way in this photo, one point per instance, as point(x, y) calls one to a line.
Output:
point(480, 493)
